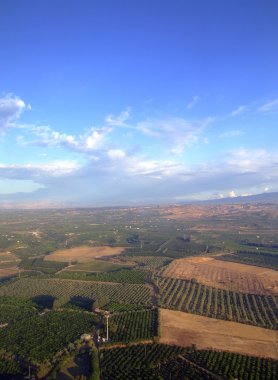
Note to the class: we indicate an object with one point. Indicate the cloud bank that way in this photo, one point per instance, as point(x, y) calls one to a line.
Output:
point(102, 166)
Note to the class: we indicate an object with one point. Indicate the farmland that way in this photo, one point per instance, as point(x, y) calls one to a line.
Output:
point(193, 297)
point(63, 290)
point(185, 329)
point(83, 254)
point(159, 361)
point(134, 325)
point(225, 275)
point(185, 275)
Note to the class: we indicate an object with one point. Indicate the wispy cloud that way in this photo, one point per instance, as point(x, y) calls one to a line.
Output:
point(193, 102)
point(118, 120)
point(238, 111)
point(271, 106)
point(44, 136)
point(175, 133)
point(232, 133)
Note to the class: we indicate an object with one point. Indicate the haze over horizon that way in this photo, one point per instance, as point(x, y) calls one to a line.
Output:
point(123, 103)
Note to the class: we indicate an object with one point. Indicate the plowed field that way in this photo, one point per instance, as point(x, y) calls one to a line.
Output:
point(186, 329)
point(83, 254)
point(225, 275)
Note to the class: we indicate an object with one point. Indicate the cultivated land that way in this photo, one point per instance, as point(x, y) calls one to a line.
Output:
point(96, 266)
point(185, 329)
point(83, 254)
point(8, 272)
point(64, 292)
point(225, 275)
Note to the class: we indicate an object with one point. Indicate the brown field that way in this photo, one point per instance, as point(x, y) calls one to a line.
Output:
point(225, 275)
point(83, 254)
point(6, 272)
point(6, 256)
point(186, 329)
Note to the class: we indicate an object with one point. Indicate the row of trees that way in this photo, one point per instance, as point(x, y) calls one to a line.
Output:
point(193, 297)
point(158, 361)
point(120, 293)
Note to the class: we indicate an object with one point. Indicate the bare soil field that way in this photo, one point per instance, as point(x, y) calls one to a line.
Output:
point(6, 256)
point(225, 275)
point(186, 329)
point(83, 254)
point(6, 272)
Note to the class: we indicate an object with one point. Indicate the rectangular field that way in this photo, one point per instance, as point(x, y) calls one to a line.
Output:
point(83, 254)
point(186, 329)
point(196, 298)
point(225, 275)
point(97, 266)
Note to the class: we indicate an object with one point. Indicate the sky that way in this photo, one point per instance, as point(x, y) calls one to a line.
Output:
point(125, 102)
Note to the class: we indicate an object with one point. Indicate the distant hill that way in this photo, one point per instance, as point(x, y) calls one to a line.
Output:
point(258, 198)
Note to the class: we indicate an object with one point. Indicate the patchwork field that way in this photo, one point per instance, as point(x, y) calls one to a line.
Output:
point(83, 254)
point(225, 275)
point(186, 329)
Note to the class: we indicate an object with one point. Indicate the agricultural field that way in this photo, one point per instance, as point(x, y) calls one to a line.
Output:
point(117, 276)
point(83, 254)
point(97, 266)
point(62, 291)
point(7, 257)
point(225, 275)
point(134, 325)
point(8, 272)
point(160, 361)
point(185, 329)
point(192, 276)
point(193, 297)
point(259, 258)
point(147, 262)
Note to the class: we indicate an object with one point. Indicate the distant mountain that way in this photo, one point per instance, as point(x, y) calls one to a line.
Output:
point(258, 198)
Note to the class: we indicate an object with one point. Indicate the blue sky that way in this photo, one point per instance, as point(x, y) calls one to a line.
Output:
point(135, 102)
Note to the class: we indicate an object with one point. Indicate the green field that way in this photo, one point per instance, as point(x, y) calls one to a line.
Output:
point(157, 361)
point(65, 289)
point(97, 266)
point(134, 326)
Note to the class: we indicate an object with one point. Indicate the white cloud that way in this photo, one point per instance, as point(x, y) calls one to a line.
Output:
point(46, 137)
point(232, 194)
point(244, 160)
point(116, 154)
point(38, 171)
point(117, 177)
point(10, 109)
point(271, 106)
point(193, 102)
